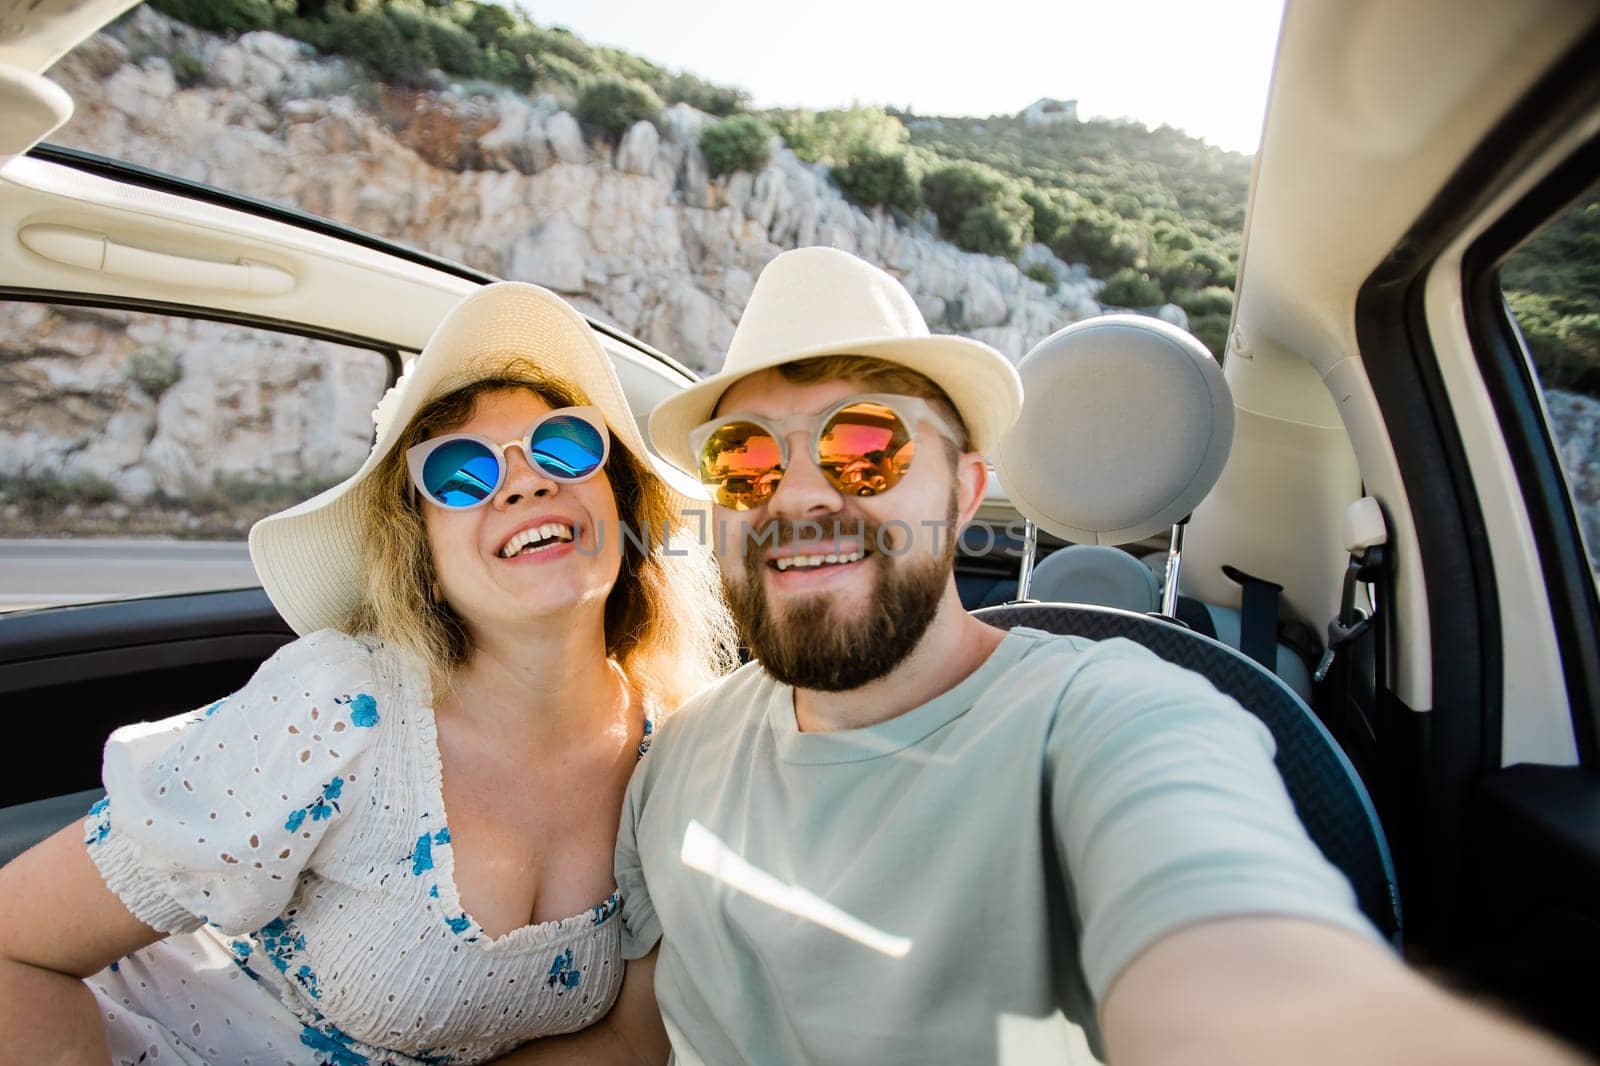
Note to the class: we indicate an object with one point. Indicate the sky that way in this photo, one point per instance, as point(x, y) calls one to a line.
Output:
point(1202, 67)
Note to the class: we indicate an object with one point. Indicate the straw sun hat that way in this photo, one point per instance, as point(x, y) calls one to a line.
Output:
point(821, 301)
point(309, 556)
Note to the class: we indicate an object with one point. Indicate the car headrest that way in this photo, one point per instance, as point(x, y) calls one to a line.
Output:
point(1097, 574)
point(1126, 424)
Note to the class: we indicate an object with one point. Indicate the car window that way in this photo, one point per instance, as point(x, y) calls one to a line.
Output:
point(136, 449)
point(1552, 285)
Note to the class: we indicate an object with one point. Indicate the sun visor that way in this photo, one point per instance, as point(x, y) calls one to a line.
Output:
point(31, 108)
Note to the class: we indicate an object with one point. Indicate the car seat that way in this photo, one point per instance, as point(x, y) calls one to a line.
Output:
point(1137, 420)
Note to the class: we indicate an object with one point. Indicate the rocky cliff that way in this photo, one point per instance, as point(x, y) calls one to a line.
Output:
point(637, 234)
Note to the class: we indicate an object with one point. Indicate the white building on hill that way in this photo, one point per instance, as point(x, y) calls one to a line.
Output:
point(1046, 111)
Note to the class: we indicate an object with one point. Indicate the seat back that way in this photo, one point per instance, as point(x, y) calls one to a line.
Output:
point(1328, 795)
point(1097, 574)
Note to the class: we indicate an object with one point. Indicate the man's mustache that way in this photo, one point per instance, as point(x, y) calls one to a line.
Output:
point(786, 532)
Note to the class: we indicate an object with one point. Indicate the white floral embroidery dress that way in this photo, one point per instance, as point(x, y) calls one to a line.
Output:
point(293, 839)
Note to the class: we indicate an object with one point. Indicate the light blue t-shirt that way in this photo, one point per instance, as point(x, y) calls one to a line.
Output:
point(962, 882)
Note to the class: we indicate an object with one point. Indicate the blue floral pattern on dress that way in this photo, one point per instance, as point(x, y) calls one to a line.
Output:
point(564, 977)
point(97, 826)
point(321, 809)
point(334, 1044)
point(307, 981)
point(281, 941)
point(421, 857)
point(363, 709)
point(598, 915)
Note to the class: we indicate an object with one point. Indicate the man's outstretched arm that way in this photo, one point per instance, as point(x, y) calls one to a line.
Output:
point(630, 1035)
point(1242, 991)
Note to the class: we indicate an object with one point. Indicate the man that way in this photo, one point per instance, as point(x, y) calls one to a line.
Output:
point(903, 836)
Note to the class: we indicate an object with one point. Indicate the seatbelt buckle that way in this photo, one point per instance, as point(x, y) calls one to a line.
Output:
point(1340, 633)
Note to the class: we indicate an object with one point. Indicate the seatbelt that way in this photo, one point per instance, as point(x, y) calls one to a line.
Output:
point(1258, 617)
point(1365, 534)
point(1347, 707)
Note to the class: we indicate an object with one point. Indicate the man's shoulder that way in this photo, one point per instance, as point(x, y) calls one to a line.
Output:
point(1063, 675)
point(719, 707)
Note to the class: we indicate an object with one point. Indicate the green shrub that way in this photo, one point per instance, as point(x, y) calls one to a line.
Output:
point(703, 96)
point(999, 227)
point(1129, 287)
point(1212, 330)
point(1197, 269)
point(874, 178)
point(378, 41)
point(952, 190)
point(1213, 300)
point(187, 70)
point(490, 22)
point(614, 104)
point(1042, 273)
point(741, 142)
point(1127, 205)
point(508, 67)
point(456, 50)
point(1173, 237)
point(237, 16)
point(835, 137)
point(559, 72)
point(1101, 240)
point(155, 370)
point(58, 492)
point(1049, 214)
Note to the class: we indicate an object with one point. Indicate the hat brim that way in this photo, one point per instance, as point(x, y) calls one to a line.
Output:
point(309, 556)
point(981, 382)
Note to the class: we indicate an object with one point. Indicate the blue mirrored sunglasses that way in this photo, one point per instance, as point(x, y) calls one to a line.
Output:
point(462, 470)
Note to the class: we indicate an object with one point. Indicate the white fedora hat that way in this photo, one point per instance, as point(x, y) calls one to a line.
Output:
point(820, 301)
point(309, 556)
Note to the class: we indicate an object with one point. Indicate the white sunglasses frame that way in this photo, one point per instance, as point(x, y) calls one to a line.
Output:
point(417, 454)
point(911, 410)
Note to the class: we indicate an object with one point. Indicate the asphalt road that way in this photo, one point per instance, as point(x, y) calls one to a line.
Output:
point(37, 573)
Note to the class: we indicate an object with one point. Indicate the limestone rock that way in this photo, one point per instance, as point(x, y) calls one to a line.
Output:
point(566, 138)
point(517, 141)
point(1174, 314)
point(553, 255)
point(101, 55)
point(637, 152)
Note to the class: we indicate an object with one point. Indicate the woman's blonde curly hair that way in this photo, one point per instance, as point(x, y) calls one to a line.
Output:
point(666, 623)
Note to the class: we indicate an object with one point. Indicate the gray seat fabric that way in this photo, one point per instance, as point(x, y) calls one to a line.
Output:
point(1227, 621)
point(1097, 574)
point(1327, 793)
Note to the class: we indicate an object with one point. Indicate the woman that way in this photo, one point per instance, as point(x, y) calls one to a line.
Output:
point(395, 843)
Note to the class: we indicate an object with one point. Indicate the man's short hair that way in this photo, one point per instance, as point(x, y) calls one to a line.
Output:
point(880, 375)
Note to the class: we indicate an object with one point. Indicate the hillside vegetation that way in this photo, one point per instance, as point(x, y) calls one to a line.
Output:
point(1553, 285)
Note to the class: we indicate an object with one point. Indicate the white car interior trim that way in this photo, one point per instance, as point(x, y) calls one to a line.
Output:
point(1536, 717)
point(36, 33)
point(31, 108)
point(95, 251)
point(400, 303)
point(1339, 149)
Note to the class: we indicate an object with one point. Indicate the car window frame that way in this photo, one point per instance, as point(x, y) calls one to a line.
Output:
point(1517, 395)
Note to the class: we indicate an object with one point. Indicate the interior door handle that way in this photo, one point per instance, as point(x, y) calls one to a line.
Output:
point(94, 251)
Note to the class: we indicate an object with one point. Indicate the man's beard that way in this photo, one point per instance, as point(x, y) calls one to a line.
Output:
point(812, 644)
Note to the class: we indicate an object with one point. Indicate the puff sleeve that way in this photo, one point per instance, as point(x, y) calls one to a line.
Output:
point(210, 817)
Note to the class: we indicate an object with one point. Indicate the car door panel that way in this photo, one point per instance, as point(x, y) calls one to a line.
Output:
point(70, 675)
